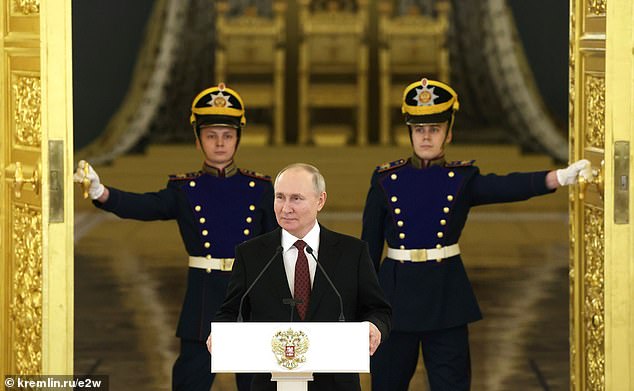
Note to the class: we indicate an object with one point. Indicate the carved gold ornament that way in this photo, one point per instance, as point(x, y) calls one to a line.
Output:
point(26, 7)
point(26, 296)
point(595, 111)
point(289, 348)
point(593, 305)
point(597, 7)
point(27, 110)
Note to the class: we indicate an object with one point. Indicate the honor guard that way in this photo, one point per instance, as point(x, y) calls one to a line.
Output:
point(216, 208)
point(418, 206)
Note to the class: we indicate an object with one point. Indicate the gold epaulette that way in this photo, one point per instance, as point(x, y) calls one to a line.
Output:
point(460, 163)
point(181, 177)
point(254, 174)
point(391, 165)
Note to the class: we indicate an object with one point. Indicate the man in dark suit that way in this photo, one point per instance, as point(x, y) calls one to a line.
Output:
point(300, 193)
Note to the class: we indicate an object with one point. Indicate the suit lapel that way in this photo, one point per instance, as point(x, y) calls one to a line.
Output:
point(329, 259)
point(277, 274)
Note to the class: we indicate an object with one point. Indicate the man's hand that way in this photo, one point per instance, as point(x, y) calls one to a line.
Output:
point(568, 176)
point(209, 343)
point(375, 338)
point(85, 173)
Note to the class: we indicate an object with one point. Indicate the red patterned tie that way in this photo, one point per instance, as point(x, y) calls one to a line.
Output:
point(302, 280)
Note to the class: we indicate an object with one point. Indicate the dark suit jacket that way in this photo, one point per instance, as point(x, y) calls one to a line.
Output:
point(347, 262)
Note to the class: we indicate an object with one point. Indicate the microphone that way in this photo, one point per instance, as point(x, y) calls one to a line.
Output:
point(334, 288)
point(278, 251)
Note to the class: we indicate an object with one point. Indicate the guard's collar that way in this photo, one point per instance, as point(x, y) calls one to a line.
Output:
point(419, 163)
point(228, 171)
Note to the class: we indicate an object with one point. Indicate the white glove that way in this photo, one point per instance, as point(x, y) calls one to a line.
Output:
point(85, 171)
point(568, 176)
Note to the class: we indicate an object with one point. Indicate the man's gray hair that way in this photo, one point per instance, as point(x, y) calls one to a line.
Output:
point(319, 183)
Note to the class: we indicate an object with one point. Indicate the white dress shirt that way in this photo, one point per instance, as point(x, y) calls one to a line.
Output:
point(289, 254)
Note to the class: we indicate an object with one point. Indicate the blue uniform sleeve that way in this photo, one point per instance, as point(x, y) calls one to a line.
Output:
point(492, 188)
point(160, 205)
point(374, 214)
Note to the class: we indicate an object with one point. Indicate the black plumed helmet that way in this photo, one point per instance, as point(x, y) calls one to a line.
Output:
point(429, 101)
point(219, 106)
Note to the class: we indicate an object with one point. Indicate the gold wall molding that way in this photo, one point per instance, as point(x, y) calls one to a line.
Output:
point(572, 335)
point(593, 304)
point(26, 7)
point(28, 110)
point(572, 93)
point(595, 111)
point(26, 296)
point(597, 7)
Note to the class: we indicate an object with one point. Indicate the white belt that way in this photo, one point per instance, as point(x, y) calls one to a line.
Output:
point(223, 264)
point(423, 254)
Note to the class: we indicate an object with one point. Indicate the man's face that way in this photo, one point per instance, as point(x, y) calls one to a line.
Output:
point(429, 140)
point(218, 144)
point(297, 201)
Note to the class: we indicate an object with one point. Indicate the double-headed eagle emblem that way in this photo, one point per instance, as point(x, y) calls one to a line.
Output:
point(425, 94)
point(219, 99)
point(290, 347)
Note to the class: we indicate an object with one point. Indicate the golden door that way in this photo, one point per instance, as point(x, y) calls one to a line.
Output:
point(601, 128)
point(36, 216)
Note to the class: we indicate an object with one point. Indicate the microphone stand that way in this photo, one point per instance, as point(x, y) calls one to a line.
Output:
point(278, 251)
point(292, 303)
point(334, 288)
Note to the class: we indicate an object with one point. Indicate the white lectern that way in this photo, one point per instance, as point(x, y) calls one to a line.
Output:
point(291, 352)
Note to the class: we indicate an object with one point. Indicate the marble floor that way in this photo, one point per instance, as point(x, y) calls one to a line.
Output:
point(130, 282)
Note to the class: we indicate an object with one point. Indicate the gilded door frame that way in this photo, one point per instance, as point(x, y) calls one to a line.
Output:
point(601, 270)
point(36, 233)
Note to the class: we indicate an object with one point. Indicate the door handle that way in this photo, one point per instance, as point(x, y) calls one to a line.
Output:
point(597, 179)
point(15, 174)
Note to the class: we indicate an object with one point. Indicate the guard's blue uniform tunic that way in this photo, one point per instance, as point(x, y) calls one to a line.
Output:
point(411, 207)
point(215, 212)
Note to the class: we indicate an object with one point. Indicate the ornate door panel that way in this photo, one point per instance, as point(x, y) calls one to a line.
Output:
point(36, 301)
point(601, 271)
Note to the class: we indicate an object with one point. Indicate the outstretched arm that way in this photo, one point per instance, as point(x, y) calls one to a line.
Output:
point(161, 205)
point(519, 186)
